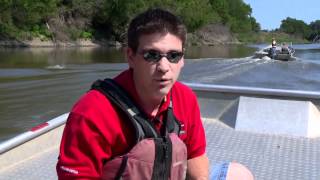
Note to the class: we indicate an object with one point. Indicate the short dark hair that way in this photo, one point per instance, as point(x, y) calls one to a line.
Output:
point(155, 21)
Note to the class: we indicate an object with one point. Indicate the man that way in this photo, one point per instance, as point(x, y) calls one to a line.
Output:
point(97, 132)
point(273, 49)
point(274, 42)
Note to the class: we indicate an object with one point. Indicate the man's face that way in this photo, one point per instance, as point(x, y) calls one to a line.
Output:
point(155, 79)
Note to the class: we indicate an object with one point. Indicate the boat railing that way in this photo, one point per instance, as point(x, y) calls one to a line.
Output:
point(248, 149)
point(301, 94)
point(33, 133)
point(226, 89)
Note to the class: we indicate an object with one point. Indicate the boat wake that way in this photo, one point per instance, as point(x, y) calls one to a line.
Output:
point(215, 70)
point(297, 75)
point(58, 67)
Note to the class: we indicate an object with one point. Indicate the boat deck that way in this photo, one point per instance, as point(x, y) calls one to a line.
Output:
point(267, 156)
point(40, 167)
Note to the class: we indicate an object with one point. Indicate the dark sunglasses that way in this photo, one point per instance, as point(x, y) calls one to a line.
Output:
point(155, 56)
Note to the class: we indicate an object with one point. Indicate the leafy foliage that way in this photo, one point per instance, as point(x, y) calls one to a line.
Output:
point(236, 14)
point(196, 14)
point(21, 18)
point(222, 8)
point(295, 27)
point(315, 28)
point(108, 19)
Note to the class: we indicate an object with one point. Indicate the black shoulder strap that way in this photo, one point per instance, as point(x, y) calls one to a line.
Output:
point(118, 96)
point(173, 125)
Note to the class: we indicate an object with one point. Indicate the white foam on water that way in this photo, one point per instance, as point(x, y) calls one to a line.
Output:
point(58, 66)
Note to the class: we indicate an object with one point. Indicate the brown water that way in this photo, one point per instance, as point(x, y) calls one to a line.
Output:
point(41, 83)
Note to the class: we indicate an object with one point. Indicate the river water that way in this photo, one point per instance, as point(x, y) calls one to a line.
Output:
point(39, 84)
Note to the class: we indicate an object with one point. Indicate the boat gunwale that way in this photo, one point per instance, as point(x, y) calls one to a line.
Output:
point(243, 90)
point(254, 90)
point(33, 133)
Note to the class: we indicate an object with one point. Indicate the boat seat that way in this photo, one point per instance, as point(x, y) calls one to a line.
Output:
point(278, 116)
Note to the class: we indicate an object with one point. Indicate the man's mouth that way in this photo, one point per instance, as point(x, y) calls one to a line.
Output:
point(163, 81)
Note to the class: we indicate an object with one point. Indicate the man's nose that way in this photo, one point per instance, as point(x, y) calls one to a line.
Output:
point(163, 65)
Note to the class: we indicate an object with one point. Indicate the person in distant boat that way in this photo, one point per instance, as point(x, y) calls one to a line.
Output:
point(273, 48)
point(286, 49)
point(274, 42)
point(142, 124)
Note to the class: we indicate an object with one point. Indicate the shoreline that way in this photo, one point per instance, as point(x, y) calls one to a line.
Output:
point(38, 43)
point(210, 35)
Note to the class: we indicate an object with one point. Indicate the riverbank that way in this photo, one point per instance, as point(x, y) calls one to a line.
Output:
point(266, 37)
point(210, 35)
point(37, 42)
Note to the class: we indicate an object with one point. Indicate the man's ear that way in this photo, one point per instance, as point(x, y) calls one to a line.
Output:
point(130, 53)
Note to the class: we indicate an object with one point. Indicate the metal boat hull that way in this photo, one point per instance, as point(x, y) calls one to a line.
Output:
point(281, 54)
point(268, 156)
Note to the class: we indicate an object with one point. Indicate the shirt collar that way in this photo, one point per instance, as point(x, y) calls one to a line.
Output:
point(125, 80)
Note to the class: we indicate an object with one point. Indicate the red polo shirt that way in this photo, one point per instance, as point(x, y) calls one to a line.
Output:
point(96, 131)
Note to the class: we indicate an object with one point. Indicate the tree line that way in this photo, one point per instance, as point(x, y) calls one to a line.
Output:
point(300, 28)
point(108, 19)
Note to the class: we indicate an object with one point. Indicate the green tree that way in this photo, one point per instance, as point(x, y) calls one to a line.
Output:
point(240, 16)
point(118, 14)
point(295, 27)
point(27, 13)
point(196, 13)
point(110, 18)
point(254, 25)
point(77, 18)
point(222, 8)
point(20, 17)
point(6, 25)
point(315, 27)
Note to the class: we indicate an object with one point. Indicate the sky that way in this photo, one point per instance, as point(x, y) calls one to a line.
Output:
point(270, 13)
